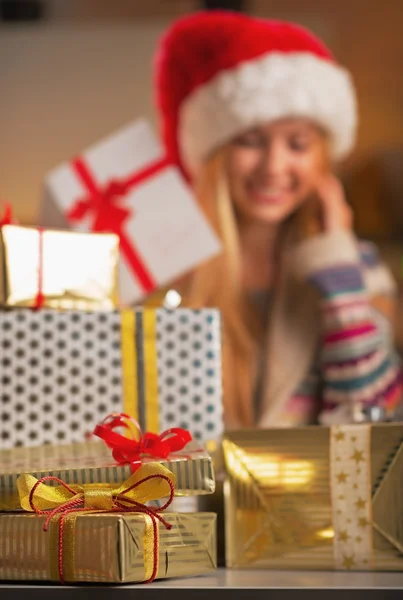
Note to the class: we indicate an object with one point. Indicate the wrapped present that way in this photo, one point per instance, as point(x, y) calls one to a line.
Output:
point(108, 548)
point(99, 535)
point(58, 269)
point(315, 498)
point(61, 373)
point(92, 462)
point(125, 185)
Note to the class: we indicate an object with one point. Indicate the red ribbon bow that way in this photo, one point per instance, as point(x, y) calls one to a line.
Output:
point(103, 205)
point(130, 450)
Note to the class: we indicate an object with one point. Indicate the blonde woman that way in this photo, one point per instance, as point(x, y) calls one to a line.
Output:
point(257, 113)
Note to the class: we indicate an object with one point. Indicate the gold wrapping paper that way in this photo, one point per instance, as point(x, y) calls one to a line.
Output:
point(108, 548)
point(315, 498)
point(92, 462)
point(79, 270)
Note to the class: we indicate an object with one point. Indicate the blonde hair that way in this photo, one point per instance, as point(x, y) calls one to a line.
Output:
point(218, 284)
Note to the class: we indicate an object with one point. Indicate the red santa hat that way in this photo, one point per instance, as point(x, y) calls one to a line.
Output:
point(219, 73)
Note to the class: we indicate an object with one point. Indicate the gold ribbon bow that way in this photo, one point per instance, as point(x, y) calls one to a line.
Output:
point(63, 503)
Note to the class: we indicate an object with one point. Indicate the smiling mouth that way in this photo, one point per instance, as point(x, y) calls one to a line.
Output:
point(269, 196)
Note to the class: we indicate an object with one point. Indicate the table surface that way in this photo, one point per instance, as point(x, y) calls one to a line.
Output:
point(227, 578)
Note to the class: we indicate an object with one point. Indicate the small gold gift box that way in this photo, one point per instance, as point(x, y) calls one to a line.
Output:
point(58, 269)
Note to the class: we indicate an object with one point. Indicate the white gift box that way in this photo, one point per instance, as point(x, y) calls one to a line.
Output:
point(62, 373)
point(125, 185)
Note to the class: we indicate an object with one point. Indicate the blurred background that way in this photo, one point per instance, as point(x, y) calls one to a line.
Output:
point(72, 71)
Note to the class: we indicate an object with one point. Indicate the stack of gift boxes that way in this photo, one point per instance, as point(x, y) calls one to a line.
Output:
point(306, 498)
point(75, 350)
point(105, 530)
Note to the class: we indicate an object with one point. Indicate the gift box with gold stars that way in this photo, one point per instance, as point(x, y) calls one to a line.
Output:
point(315, 498)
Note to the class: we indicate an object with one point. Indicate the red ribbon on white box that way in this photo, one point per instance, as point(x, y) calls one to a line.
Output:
point(103, 204)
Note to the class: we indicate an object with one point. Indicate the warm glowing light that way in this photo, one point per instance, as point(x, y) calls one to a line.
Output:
point(326, 534)
point(272, 471)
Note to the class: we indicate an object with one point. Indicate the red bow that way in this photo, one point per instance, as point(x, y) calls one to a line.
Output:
point(130, 450)
point(103, 204)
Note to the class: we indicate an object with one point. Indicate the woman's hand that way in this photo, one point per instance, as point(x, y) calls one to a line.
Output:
point(336, 213)
point(326, 211)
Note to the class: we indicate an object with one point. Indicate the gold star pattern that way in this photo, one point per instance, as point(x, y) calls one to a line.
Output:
point(341, 477)
point(343, 536)
point(349, 480)
point(358, 456)
point(362, 522)
point(348, 561)
point(360, 504)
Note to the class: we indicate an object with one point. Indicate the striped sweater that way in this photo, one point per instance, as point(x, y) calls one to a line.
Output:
point(352, 363)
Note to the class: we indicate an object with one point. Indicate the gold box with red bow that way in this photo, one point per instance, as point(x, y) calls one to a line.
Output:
point(315, 498)
point(125, 184)
point(103, 535)
point(92, 462)
point(58, 269)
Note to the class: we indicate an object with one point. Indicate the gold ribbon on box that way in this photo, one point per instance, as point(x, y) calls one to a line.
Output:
point(63, 504)
point(139, 364)
point(310, 497)
point(350, 485)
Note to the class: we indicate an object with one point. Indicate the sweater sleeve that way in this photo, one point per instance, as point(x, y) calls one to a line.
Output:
point(358, 364)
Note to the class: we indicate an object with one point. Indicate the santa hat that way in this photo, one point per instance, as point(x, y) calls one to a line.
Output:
point(219, 73)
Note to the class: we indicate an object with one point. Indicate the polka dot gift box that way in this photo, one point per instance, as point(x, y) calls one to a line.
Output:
point(61, 373)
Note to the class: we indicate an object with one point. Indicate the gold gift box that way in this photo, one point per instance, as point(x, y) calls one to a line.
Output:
point(91, 462)
point(315, 498)
point(79, 270)
point(107, 548)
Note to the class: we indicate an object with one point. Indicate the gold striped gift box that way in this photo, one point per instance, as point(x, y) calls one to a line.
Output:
point(315, 498)
point(91, 462)
point(105, 548)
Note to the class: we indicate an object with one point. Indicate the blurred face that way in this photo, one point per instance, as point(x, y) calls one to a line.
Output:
point(274, 168)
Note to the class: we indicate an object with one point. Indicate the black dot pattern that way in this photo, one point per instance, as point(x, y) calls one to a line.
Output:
point(60, 374)
point(189, 367)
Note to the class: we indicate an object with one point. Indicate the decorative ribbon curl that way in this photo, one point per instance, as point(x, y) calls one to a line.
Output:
point(7, 218)
point(149, 482)
point(129, 449)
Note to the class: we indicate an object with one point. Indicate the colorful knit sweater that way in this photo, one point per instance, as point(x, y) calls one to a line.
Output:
point(330, 353)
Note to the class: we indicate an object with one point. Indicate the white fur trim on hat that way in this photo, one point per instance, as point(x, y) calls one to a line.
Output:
point(270, 87)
